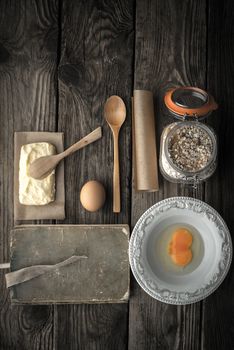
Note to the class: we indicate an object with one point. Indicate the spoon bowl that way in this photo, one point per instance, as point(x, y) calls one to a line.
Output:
point(115, 111)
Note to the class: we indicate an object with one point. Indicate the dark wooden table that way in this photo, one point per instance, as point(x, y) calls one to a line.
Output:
point(59, 61)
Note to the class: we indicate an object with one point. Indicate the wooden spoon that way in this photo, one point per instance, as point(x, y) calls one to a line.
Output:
point(115, 114)
point(43, 166)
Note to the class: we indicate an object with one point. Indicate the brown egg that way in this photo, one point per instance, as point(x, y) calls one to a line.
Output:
point(92, 195)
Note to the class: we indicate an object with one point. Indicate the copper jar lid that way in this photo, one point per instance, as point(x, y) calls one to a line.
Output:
point(189, 101)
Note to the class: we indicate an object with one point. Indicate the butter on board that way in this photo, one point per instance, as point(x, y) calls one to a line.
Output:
point(103, 277)
point(52, 210)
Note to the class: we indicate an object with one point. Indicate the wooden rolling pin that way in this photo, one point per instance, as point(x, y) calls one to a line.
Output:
point(144, 136)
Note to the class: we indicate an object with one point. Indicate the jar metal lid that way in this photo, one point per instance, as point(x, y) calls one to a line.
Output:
point(189, 101)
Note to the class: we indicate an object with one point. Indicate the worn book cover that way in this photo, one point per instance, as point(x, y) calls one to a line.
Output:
point(102, 277)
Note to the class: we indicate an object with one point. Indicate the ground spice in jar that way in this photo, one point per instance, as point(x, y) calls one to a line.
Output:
point(190, 148)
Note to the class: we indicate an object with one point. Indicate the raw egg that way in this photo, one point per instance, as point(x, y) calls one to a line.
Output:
point(92, 195)
point(180, 247)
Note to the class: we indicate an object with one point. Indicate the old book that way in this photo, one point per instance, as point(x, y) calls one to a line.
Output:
point(102, 277)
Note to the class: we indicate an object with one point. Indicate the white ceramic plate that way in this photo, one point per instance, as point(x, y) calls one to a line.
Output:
point(152, 266)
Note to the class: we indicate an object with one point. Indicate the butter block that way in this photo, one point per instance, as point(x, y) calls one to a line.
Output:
point(32, 191)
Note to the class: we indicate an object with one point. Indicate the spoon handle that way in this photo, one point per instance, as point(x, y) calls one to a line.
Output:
point(116, 181)
point(93, 136)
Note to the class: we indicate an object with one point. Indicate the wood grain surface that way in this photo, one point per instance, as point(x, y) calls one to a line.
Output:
point(171, 39)
point(59, 62)
point(96, 62)
point(218, 320)
point(28, 61)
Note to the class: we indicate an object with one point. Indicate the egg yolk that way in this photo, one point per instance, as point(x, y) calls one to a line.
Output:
point(179, 247)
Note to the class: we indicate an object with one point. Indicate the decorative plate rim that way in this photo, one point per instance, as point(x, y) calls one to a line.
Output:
point(218, 279)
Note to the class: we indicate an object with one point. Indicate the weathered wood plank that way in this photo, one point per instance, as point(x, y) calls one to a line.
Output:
point(28, 60)
point(170, 50)
point(218, 317)
point(96, 62)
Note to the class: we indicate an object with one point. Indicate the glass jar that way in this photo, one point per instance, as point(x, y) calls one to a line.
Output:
point(188, 148)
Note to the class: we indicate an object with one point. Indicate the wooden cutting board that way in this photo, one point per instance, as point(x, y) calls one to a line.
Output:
point(101, 278)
